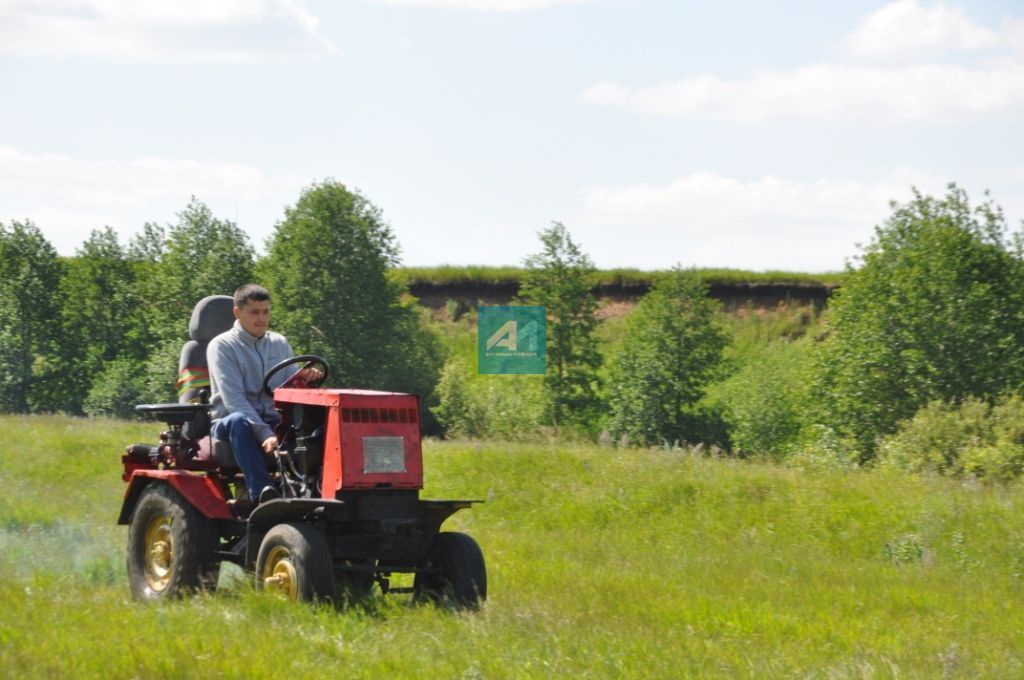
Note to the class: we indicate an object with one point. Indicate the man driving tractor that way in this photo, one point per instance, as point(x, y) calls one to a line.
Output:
point(243, 413)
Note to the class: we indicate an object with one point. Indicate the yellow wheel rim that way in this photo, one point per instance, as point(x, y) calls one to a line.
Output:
point(159, 547)
point(279, 573)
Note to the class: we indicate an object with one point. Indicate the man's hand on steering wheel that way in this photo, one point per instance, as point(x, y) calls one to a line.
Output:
point(307, 375)
point(312, 374)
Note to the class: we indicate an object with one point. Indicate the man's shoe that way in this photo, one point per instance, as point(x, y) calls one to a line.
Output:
point(269, 493)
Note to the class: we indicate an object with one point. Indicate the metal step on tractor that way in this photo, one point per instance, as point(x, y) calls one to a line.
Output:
point(350, 467)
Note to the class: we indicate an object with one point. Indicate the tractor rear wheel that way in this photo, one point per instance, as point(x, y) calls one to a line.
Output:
point(294, 561)
point(461, 579)
point(170, 546)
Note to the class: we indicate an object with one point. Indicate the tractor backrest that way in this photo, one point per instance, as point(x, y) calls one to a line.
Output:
point(211, 317)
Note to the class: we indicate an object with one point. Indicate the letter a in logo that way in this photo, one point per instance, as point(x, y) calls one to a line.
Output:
point(504, 337)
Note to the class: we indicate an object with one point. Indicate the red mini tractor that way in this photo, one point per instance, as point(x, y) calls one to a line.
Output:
point(350, 467)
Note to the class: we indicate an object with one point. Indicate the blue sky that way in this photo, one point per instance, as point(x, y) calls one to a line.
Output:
point(743, 134)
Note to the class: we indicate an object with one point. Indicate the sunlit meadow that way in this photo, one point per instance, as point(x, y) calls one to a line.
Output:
point(602, 562)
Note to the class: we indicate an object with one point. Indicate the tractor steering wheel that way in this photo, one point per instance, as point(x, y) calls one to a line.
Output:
point(309, 360)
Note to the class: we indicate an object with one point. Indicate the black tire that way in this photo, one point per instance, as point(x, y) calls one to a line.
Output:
point(461, 579)
point(294, 561)
point(170, 546)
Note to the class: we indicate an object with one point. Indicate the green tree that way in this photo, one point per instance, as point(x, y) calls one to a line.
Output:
point(328, 266)
point(149, 245)
point(935, 311)
point(163, 272)
point(561, 277)
point(201, 255)
point(671, 350)
point(100, 316)
point(30, 273)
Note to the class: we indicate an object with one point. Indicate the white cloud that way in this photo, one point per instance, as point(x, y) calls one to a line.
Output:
point(1013, 30)
point(918, 88)
point(709, 219)
point(185, 30)
point(829, 92)
point(905, 28)
point(481, 5)
point(707, 200)
point(68, 197)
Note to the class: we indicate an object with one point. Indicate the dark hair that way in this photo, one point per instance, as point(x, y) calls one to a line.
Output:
point(250, 292)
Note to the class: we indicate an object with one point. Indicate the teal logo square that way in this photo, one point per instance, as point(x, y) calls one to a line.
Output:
point(512, 340)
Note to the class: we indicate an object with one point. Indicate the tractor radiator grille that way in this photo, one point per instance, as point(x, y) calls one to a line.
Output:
point(383, 454)
point(379, 415)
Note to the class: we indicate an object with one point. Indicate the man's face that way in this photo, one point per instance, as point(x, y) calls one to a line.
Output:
point(254, 317)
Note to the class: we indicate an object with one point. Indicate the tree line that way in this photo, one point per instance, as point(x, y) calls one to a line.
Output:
point(101, 331)
point(927, 327)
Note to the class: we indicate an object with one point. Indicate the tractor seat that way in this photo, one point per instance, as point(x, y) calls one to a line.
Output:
point(211, 317)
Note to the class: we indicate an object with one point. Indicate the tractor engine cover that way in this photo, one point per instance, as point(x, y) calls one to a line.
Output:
point(372, 439)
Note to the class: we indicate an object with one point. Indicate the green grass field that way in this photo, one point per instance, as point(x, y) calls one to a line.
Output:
point(602, 563)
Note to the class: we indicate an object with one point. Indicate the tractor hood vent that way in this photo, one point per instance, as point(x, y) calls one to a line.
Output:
point(378, 415)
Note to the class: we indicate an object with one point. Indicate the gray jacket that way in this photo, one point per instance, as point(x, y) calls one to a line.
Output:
point(238, 361)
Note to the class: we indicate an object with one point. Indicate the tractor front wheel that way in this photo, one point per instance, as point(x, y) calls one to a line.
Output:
point(170, 546)
point(460, 578)
point(295, 562)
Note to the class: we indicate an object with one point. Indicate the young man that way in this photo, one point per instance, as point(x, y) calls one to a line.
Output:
point(243, 414)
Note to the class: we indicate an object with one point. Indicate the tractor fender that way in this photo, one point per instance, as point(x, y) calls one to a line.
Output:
point(198, 490)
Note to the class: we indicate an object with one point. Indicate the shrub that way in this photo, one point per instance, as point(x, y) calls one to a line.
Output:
point(160, 372)
point(972, 438)
point(458, 412)
point(514, 407)
point(1001, 461)
point(507, 406)
point(765, 400)
point(819, 447)
point(117, 389)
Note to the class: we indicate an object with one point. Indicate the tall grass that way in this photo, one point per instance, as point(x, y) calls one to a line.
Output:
point(602, 563)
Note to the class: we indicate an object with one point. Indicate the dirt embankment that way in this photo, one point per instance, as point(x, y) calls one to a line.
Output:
point(732, 295)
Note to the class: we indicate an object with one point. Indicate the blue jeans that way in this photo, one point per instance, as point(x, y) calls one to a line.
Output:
point(237, 431)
